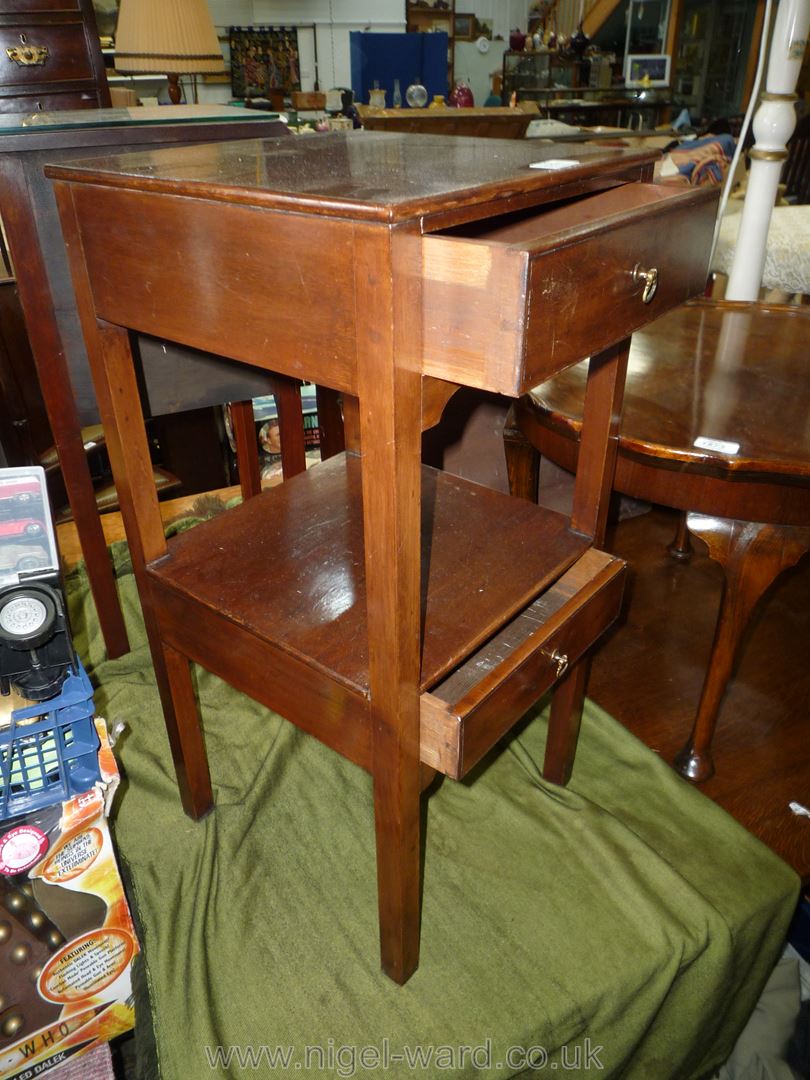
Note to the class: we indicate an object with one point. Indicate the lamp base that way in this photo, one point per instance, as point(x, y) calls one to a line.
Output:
point(175, 94)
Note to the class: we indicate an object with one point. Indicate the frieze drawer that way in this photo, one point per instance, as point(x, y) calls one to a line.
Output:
point(509, 302)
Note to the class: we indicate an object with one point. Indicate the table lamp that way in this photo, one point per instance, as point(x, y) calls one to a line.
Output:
point(171, 37)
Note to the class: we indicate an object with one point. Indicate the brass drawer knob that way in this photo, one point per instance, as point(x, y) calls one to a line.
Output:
point(650, 279)
point(560, 662)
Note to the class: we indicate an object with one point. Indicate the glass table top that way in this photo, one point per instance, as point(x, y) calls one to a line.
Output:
point(141, 115)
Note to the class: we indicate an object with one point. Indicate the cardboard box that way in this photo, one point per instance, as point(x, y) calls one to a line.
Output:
point(67, 940)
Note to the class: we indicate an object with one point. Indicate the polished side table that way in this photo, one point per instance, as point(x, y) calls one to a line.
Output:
point(405, 617)
point(716, 423)
point(27, 142)
point(490, 123)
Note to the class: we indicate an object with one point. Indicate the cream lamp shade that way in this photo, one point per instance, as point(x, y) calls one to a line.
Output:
point(167, 37)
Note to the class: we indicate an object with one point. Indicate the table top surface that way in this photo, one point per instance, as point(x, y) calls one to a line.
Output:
point(722, 385)
point(377, 175)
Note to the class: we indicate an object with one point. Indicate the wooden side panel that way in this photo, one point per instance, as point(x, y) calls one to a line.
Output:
point(272, 287)
point(440, 735)
point(281, 682)
point(474, 303)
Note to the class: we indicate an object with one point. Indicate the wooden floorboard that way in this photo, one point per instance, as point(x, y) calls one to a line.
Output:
point(113, 525)
point(649, 674)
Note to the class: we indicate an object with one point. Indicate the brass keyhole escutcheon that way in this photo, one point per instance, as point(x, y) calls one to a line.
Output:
point(650, 279)
point(25, 55)
point(560, 662)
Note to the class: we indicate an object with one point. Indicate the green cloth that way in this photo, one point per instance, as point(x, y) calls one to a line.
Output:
point(626, 914)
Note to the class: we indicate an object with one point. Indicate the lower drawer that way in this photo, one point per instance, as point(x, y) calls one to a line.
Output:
point(48, 102)
point(470, 710)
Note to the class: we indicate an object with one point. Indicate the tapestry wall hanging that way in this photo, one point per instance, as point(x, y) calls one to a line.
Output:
point(263, 58)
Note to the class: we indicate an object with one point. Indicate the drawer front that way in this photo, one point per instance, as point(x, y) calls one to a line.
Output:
point(506, 308)
point(587, 296)
point(55, 53)
point(463, 717)
point(485, 724)
point(28, 7)
point(49, 102)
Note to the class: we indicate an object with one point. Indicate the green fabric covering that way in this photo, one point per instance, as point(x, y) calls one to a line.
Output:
point(626, 909)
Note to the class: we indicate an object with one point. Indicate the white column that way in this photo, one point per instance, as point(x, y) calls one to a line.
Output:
point(774, 122)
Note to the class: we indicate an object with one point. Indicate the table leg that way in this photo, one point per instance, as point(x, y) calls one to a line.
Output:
point(564, 722)
point(111, 359)
point(351, 423)
point(247, 448)
point(330, 422)
point(287, 393)
point(752, 556)
point(82, 499)
point(389, 413)
point(680, 547)
point(596, 466)
point(522, 460)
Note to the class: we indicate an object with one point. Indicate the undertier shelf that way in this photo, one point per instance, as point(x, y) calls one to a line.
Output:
point(288, 567)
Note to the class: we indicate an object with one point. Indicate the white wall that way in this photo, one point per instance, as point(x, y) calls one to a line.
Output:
point(505, 14)
point(476, 68)
point(334, 19)
point(231, 12)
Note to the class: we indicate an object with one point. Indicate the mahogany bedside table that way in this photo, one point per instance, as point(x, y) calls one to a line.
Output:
point(405, 617)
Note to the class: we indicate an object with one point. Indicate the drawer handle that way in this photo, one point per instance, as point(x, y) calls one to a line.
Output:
point(560, 662)
point(650, 279)
point(25, 55)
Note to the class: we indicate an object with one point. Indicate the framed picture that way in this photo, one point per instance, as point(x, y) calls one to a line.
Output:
point(263, 59)
point(463, 27)
point(646, 69)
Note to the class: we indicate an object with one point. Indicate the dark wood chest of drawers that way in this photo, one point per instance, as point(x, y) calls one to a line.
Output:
point(50, 57)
